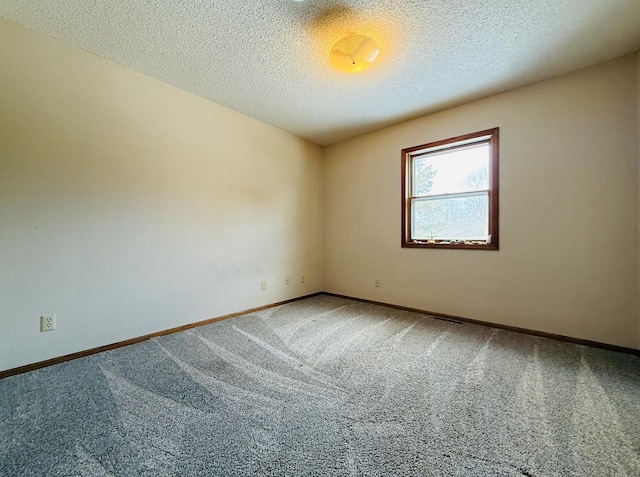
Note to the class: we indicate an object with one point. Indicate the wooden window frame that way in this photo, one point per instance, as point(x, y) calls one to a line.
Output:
point(489, 136)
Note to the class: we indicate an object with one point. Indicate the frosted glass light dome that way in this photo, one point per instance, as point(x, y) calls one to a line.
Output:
point(354, 53)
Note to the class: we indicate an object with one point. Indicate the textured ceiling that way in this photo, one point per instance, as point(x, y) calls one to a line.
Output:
point(269, 58)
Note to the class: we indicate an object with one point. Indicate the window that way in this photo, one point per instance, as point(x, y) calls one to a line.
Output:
point(450, 193)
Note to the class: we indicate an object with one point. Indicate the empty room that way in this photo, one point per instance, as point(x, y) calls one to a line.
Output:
point(319, 238)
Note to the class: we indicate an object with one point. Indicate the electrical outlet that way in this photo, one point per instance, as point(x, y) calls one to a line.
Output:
point(287, 280)
point(301, 278)
point(263, 285)
point(377, 282)
point(47, 322)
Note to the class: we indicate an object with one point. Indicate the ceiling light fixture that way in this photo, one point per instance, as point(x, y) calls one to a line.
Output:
point(354, 53)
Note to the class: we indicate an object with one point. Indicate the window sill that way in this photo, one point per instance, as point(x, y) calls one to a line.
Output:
point(463, 246)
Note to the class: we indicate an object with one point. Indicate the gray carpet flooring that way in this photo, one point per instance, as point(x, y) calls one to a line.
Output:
point(328, 387)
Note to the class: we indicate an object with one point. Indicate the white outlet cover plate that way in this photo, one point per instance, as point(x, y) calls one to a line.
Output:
point(47, 322)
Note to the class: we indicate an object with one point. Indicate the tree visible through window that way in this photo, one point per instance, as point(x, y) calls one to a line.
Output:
point(450, 193)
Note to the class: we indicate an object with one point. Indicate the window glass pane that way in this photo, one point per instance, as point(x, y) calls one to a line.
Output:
point(460, 170)
point(461, 218)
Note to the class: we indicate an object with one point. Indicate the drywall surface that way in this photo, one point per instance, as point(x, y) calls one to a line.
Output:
point(568, 258)
point(128, 206)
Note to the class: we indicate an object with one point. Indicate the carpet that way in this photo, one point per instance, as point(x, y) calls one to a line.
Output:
point(327, 386)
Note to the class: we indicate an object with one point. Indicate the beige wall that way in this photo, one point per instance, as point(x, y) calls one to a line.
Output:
point(568, 258)
point(128, 206)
